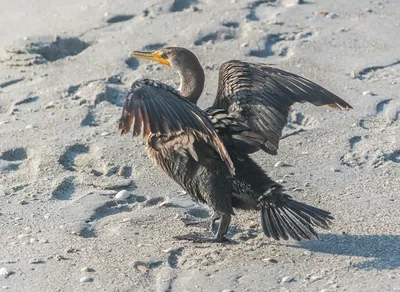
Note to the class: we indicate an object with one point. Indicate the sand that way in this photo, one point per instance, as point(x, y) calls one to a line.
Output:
point(63, 75)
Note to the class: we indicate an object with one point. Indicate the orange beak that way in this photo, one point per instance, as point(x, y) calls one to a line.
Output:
point(157, 56)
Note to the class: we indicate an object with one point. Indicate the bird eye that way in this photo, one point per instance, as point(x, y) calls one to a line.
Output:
point(164, 56)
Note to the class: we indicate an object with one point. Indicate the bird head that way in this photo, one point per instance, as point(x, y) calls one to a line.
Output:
point(183, 61)
point(175, 57)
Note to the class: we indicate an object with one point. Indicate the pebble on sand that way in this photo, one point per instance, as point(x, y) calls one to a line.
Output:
point(50, 105)
point(280, 164)
point(270, 260)
point(289, 3)
point(307, 253)
point(166, 203)
point(367, 92)
point(4, 272)
point(86, 280)
point(353, 74)
point(287, 279)
point(122, 195)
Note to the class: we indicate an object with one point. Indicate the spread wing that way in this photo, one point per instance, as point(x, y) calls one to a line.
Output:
point(261, 97)
point(158, 110)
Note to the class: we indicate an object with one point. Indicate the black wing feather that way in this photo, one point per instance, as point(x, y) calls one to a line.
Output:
point(159, 110)
point(261, 97)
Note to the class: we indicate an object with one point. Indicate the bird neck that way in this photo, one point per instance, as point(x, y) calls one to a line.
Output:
point(192, 82)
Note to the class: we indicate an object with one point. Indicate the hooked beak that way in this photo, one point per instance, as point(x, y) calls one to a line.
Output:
point(157, 56)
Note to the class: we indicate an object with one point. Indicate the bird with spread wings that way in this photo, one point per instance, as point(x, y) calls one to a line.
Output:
point(207, 152)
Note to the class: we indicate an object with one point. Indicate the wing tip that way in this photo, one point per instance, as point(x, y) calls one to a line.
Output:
point(125, 123)
point(341, 106)
point(122, 127)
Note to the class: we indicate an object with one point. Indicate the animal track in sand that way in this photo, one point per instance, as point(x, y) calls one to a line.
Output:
point(114, 207)
point(358, 154)
point(28, 99)
point(173, 257)
point(67, 159)
point(231, 24)
point(58, 49)
point(132, 63)
point(11, 82)
point(10, 160)
point(362, 152)
point(14, 154)
point(87, 161)
point(154, 47)
point(393, 156)
point(252, 16)
point(107, 209)
point(120, 18)
point(89, 120)
point(64, 189)
point(297, 123)
point(124, 171)
point(353, 141)
point(180, 5)
point(389, 73)
point(387, 111)
point(267, 50)
point(92, 93)
point(390, 109)
point(278, 44)
point(298, 119)
point(222, 34)
point(153, 201)
point(44, 49)
point(381, 105)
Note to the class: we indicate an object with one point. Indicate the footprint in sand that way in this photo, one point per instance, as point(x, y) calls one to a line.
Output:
point(67, 159)
point(113, 207)
point(280, 44)
point(45, 49)
point(11, 159)
point(222, 34)
point(63, 189)
point(119, 18)
point(362, 152)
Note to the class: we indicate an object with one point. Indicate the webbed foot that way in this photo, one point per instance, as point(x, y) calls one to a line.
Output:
point(201, 238)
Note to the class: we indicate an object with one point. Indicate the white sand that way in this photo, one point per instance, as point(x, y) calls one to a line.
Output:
point(60, 146)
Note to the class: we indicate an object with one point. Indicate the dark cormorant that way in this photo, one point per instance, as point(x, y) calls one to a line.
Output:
point(207, 151)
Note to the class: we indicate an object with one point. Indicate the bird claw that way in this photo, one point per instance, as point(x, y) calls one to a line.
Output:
point(199, 238)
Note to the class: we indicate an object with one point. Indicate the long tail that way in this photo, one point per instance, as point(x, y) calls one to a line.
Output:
point(282, 217)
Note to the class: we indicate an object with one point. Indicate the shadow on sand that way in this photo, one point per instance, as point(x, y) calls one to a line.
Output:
point(381, 251)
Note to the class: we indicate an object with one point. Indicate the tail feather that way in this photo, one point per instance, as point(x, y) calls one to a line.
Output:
point(315, 216)
point(300, 224)
point(282, 217)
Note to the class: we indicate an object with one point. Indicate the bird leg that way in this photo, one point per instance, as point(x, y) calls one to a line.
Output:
point(218, 237)
point(208, 223)
point(223, 227)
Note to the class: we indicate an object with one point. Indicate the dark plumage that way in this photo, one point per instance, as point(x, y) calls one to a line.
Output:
point(207, 152)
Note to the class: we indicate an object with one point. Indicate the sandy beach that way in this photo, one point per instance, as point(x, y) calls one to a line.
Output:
point(64, 71)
